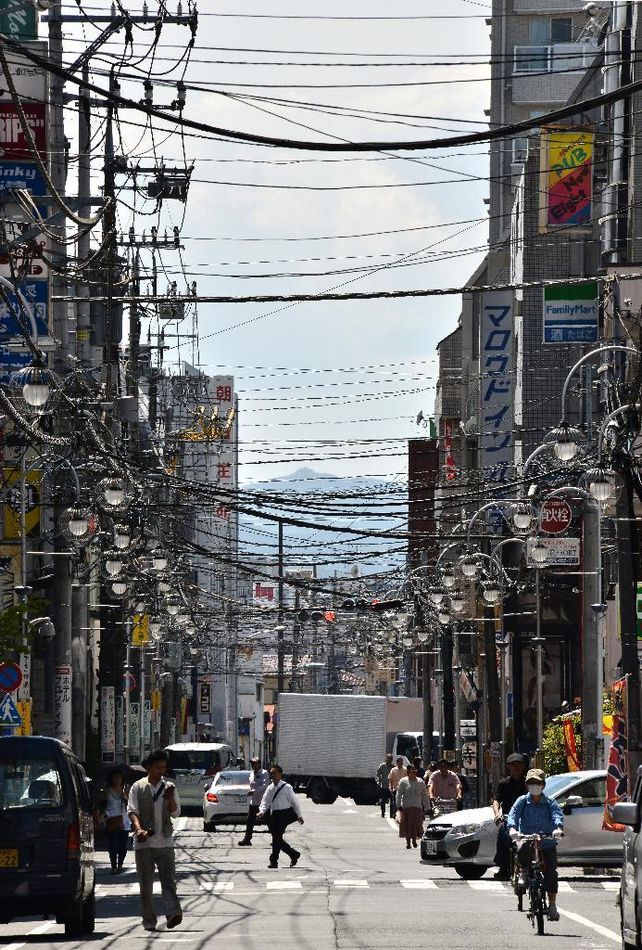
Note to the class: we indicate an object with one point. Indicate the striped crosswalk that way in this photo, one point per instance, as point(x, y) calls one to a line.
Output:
point(314, 884)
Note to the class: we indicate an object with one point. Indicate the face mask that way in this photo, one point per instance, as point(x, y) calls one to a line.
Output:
point(534, 788)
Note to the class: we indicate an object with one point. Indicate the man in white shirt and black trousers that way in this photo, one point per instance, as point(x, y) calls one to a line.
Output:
point(284, 809)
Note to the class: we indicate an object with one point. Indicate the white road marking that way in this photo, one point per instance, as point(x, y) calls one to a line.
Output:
point(13, 946)
point(43, 928)
point(597, 928)
point(349, 811)
point(133, 888)
point(180, 824)
point(565, 888)
point(216, 885)
point(345, 883)
point(424, 885)
point(496, 886)
point(284, 886)
point(393, 823)
point(611, 885)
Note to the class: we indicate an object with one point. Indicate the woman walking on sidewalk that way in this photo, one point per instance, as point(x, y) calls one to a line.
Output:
point(412, 803)
point(117, 820)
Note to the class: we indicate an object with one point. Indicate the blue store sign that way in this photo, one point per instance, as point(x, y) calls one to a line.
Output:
point(24, 175)
point(37, 295)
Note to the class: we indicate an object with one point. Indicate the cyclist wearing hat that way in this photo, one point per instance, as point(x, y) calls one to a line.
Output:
point(444, 786)
point(508, 790)
point(536, 813)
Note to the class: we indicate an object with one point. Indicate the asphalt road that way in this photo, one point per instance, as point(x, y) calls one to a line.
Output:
point(356, 886)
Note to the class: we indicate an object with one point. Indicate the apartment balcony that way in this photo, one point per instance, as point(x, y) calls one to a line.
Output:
point(548, 74)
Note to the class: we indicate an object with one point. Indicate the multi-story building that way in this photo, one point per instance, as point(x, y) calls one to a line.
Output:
point(502, 369)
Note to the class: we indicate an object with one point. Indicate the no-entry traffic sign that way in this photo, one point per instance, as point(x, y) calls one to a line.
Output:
point(10, 677)
point(556, 516)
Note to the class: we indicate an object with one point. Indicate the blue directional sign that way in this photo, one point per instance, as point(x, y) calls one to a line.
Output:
point(36, 293)
point(9, 715)
point(26, 176)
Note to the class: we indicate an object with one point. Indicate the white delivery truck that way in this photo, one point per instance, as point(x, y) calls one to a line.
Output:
point(331, 745)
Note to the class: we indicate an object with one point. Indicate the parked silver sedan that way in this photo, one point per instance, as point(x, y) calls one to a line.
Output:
point(466, 840)
point(226, 799)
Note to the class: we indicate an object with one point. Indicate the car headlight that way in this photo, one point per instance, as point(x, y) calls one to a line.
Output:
point(465, 829)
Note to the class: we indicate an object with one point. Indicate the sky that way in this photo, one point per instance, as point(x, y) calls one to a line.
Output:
point(264, 211)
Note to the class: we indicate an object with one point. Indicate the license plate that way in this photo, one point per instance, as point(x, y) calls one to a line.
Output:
point(8, 857)
point(431, 847)
point(190, 778)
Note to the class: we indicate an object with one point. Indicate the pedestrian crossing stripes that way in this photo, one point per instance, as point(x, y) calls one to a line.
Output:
point(312, 885)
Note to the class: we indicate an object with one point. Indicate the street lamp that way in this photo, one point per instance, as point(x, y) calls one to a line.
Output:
point(155, 629)
point(122, 536)
point(119, 587)
point(159, 561)
point(436, 597)
point(566, 442)
point(444, 616)
point(470, 566)
point(522, 517)
point(491, 592)
point(601, 483)
point(422, 635)
point(35, 384)
point(457, 602)
point(448, 578)
point(114, 492)
point(77, 522)
point(407, 641)
point(113, 564)
point(539, 552)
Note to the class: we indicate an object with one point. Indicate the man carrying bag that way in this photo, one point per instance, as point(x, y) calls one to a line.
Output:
point(284, 809)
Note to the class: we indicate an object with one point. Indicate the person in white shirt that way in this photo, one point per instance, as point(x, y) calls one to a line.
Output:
point(284, 808)
point(259, 781)
point(152, 804)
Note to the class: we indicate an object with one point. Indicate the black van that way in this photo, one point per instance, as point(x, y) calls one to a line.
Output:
point(46, 834)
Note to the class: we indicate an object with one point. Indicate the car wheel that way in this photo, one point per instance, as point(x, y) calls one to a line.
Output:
point(625, 943)
point(74, 920)
point(89, 913)
point(471, 872)
point(209, 826)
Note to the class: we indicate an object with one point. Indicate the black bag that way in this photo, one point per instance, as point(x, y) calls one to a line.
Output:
point(286, 815)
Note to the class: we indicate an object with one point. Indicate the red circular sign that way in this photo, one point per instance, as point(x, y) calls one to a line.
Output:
point(129, 682)
point(556, 516)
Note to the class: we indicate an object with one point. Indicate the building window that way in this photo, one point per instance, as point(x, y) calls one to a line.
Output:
point(561, 30)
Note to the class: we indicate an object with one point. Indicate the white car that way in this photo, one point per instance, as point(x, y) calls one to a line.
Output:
point(467, 840)
point(192, 765)
point(226, 800)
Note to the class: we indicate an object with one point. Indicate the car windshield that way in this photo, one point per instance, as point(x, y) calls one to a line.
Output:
point(29, 783)
point(556, 784)
point(204, 759)
point(233, 778)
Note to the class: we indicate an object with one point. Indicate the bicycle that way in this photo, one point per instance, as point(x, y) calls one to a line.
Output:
point(528, 880)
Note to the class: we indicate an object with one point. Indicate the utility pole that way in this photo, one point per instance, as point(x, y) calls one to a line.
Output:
point(592, 640)
point(280, 630)
point(63, 667)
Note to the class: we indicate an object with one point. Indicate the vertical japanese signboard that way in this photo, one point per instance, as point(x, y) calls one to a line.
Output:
point(108, 723)
point(566, 178)
point(19, 170)
point(497, 363)
point(571, 313)
point(62, 704)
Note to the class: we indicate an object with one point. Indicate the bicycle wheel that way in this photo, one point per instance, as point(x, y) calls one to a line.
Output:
point(537, 910)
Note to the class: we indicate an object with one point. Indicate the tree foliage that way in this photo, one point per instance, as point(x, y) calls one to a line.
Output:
point(13, 638)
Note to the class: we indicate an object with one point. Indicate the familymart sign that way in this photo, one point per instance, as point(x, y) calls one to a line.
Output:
point(571, 313)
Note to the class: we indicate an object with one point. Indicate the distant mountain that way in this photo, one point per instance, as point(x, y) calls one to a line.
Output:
point(320, 498)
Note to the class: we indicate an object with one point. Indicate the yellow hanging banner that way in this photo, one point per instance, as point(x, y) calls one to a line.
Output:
point(140, 630)
point(24, 708)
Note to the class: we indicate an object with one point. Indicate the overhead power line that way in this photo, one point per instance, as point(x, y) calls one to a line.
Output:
point(500, 132)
